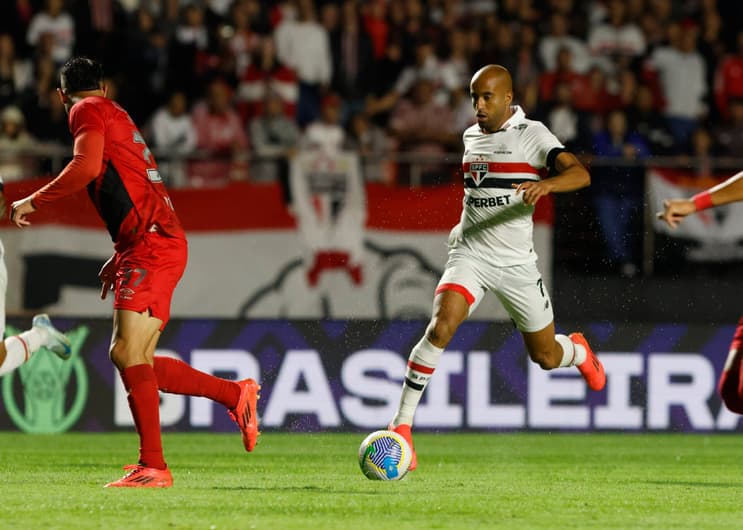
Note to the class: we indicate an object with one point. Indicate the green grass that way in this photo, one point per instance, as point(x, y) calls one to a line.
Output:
point(308, 481)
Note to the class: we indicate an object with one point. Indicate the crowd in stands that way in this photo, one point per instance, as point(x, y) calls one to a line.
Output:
point(238, 87)
point(625, 78)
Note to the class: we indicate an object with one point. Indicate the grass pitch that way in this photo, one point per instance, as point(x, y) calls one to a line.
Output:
point(308, 481)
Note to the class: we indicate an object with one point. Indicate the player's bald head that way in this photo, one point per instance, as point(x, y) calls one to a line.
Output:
point(491, 90)
point(493, 75)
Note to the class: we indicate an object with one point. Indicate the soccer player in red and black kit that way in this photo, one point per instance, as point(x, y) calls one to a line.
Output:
point(112, 160)
point(730, 385)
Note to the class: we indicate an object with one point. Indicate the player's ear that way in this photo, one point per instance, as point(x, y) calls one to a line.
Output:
point(64, 98)
point(103, 86)
point(509, 97)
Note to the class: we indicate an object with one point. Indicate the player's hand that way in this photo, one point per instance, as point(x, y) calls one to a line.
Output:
point(532, 191)
point(19, 210)
point(107, 275)
point(675, 210)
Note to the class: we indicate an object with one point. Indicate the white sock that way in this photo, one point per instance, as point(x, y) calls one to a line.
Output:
point(572, 354)
point(20, 348)
point(422, 362)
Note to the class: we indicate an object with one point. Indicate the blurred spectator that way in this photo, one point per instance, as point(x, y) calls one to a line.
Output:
point(221, 136)
point(376, 26)
point(681, 72)
point(381, 96)
point(624, 84)
point(14, 164)
point(426, 67)
point(304, 46)
point(189, 41)
point(274, 138)
point(15, 16)
point(47, 120)
point(353, 54)
point(461, 108)
point(373, 144)
point(618, 190)
point(729, 78)
point(730, 136)
point(15, 73)
point(242, 39)
point(562, 74)
point(647, 121)
point(173, 132)
point(566, 122)
point(617, 38)
point(559, 38)
point(144, 65)
point(592, 94)
point(326, 134)
point(264, 76)
point(455, 69)
point(58, 23)
point(702, 151)
point(425, 127)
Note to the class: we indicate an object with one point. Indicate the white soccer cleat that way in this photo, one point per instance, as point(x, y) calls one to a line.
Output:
point(56, 340)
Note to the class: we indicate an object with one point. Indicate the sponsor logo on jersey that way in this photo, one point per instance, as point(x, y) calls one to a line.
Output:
point(154, 175)
point(489, 202)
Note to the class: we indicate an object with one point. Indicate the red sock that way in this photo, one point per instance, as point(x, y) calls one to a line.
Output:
point(141, 385)
point(177, 377)
point(731, 380)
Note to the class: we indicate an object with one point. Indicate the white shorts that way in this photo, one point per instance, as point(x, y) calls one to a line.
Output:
point(519, 288)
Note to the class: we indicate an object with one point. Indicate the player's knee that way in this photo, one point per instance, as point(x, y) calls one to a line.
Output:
point(441, 331)
point(124, 353)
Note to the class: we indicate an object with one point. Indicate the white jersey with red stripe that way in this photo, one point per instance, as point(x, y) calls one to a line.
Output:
point(495, 223)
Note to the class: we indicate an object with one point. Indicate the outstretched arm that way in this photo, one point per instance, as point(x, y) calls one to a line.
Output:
point(84, 167)
point(571, 176)
point(674, 210)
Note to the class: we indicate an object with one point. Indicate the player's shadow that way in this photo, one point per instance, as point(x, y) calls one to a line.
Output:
point(694, 484)
point(289, 488)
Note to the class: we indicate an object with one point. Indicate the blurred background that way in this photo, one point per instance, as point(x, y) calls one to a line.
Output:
point(346, 118)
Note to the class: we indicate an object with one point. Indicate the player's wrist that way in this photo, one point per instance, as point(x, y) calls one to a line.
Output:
point(702, 200)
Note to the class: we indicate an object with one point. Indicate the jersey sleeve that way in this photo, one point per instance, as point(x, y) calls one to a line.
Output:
point(83, 168)
point(536, 142)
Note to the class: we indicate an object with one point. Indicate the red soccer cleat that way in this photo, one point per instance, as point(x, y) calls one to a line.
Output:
point(591, 369)
point(245, 414)
point(404, 430)
point(143, 477)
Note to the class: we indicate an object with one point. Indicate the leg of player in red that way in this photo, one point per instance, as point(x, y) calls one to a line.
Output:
point(731, 380)
point(451, 308)
point(239, 397)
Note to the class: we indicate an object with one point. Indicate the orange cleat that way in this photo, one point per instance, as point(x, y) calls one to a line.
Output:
point(245, 413)
point(143, 477)
point(591, 369)
point(404, 430)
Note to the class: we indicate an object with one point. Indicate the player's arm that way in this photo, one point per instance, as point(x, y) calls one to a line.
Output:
point(674, 210)
point(83, 168)
point(570, 175)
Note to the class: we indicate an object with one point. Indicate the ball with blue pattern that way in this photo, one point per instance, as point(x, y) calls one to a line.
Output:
point(384, 455)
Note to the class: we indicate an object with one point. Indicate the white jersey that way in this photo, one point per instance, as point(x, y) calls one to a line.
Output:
point(496, 225)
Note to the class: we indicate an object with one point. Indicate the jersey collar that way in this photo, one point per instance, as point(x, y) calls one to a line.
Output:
point(517, 117)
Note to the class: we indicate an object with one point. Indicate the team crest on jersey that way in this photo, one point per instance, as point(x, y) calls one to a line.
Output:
point(478, 171)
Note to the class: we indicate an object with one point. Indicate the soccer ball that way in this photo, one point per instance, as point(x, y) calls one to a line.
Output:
point(384, 455)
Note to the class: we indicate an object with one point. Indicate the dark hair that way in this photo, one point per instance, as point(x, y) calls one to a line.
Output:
point(80, 74)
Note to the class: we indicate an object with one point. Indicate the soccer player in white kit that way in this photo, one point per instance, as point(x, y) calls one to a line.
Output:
point(491, 248)
point(17, 349)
